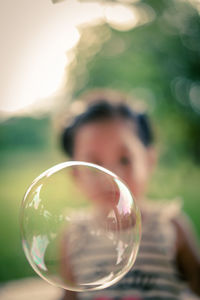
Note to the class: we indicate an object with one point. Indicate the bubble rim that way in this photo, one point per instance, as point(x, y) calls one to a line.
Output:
point(50, 172)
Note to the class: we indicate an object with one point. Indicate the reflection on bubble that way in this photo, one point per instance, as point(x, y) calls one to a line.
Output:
point(80, 226)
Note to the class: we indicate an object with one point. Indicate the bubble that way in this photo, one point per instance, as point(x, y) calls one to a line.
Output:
point(80, 226)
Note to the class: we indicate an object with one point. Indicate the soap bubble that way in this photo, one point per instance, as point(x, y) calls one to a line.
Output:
point(80, 226)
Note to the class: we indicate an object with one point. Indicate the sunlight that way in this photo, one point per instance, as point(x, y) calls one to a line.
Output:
point(121, 17)
point(43, 76)
point(38, 66)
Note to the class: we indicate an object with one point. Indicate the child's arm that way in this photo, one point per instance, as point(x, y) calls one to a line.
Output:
point(188, 256)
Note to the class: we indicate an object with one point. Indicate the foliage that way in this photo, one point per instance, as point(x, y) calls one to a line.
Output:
point(158, 62)
point(25, 132)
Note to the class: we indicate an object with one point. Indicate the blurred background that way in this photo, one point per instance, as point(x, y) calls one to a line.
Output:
point(51, 53)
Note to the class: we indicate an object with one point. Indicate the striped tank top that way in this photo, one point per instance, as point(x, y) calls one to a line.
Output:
point(154, 275)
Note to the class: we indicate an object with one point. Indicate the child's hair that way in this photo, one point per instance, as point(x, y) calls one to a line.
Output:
point(104, 109)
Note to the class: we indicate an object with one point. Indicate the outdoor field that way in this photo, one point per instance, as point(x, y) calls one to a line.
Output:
point(155, 61)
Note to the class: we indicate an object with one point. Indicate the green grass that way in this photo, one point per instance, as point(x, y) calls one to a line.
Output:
point(19, 168)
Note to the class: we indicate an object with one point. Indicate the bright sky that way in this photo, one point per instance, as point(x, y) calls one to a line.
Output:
point(34, 37)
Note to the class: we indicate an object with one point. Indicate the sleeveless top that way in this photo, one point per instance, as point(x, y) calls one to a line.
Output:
point(154, 275)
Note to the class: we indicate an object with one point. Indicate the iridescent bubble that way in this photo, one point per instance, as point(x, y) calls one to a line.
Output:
point(80, 226)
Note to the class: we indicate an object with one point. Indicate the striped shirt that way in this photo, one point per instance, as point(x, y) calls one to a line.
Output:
point(152, 277)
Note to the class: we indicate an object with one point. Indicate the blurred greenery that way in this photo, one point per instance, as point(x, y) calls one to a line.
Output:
point(158, 62)
point(26, 151)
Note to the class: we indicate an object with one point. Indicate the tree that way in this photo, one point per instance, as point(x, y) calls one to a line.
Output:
point(158, 60)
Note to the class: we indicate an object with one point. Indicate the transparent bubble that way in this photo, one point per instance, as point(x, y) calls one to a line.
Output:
point(80, 226)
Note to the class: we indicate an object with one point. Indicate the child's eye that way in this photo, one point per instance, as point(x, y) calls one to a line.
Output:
point(124, 160)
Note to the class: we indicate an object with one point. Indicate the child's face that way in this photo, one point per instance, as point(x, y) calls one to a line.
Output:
point(113, 145)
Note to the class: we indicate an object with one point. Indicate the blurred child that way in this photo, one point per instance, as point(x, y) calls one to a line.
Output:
point(112, 135)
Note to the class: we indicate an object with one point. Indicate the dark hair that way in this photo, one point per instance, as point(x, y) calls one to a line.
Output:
point(104, 110)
